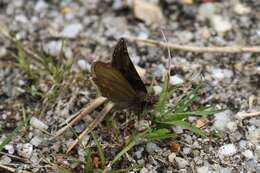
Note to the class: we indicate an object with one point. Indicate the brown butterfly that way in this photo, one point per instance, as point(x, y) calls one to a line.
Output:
point(120, 82)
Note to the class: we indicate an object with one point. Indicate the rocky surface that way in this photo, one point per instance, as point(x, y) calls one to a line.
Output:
point(84, 31)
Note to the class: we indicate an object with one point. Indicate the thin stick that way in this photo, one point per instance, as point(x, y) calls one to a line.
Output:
point(93, 125)
point(228, 49)
point(10, 169)
point(243, 115)
point(86, 110)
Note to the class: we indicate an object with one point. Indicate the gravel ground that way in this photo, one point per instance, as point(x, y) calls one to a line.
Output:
point(90, 30)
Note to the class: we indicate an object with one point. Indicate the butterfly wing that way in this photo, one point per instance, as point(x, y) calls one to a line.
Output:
point(113, 85)
point(122, 62)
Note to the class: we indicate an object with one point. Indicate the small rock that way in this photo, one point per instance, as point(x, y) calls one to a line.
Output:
point(159, 70)
point(206, 10)
point(182, 163)
point(72, 30)
point(222, 119)
point(225, 170)
point(21, 18)
point(3, 52)
point(253, 135)
point(220, 24)
point(118, 4)
point(36, 141)
point(248, 154)
point(241, 9)
point(144, 170)
point(25, 150)
point(151, 147)
point(147, 11)
point(38, 123)
point(157, 89)
point(176, 80)
point(9, 148)
point(185, 36)
point(142, 125)
point(5, 160)
point(227, 150)
point(171, 157)
point(186, 150)
point(84, 65)
point(40, 6)
point(220, 74)
point(53, 48)
point(139, 153)
point(203, 169)
point(79, 127)
point(232, 126)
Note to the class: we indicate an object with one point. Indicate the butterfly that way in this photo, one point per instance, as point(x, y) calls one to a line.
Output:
point(120, 82)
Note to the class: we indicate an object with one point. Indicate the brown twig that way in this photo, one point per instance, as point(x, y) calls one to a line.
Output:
point(228, 49)
point(243, 115)
point(86, 110)
point(10, 169)
point(93, 125)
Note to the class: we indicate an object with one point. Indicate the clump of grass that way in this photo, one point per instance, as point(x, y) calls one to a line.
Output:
point(164, 116)
point(49, 69)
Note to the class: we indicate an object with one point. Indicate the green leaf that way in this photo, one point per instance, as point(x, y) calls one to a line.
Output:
point(160, 134)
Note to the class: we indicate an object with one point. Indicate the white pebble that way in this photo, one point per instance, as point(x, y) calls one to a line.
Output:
point(248, 154)
point(171, 157)
point(206, 10)
point(222, 119)
point(5, 160)
point(176, 80)
point(53, 48)
point(241, 9)
point(144, 170)
point(151, 147)
point(220, 24)
point(182, 163)
point(36, 141)
point(203, 169)
point(9, 148)
point(157, 89)
point(38, 123)
point(25, 150)
point(40, 6)
point(72, 30)
point(227, 150)
point(84, 65)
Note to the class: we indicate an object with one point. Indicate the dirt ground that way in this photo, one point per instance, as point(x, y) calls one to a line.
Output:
point(46, 51)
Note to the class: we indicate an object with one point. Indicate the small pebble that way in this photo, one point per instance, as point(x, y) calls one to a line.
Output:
point(53, 48)
point(227, 150)
point(5, 160)
point(151, 147)
point(203, 169)
point(144, 170)
point(171, 157)
point(241, 9)
point(222, 119)
point(176, 80)
point(72, 30)
point(38, 123)
point(248, 154)
point(3, 52)
point(157, 89)
point(84, 65)
point(40, 6)
point(206, 10)
point(36, 141)
point(9, 148)
point(220, 24)
point(225, 170)
point(25, 150)
point(182, 163)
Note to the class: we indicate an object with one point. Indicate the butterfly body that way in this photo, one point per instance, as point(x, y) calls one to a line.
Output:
point(120, 82)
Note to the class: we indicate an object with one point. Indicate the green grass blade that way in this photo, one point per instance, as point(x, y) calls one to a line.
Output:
point(14, 133)
point(134, 141)
point(88, 161)
point(160, 134)
point(100, 150)
point(187, 126)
